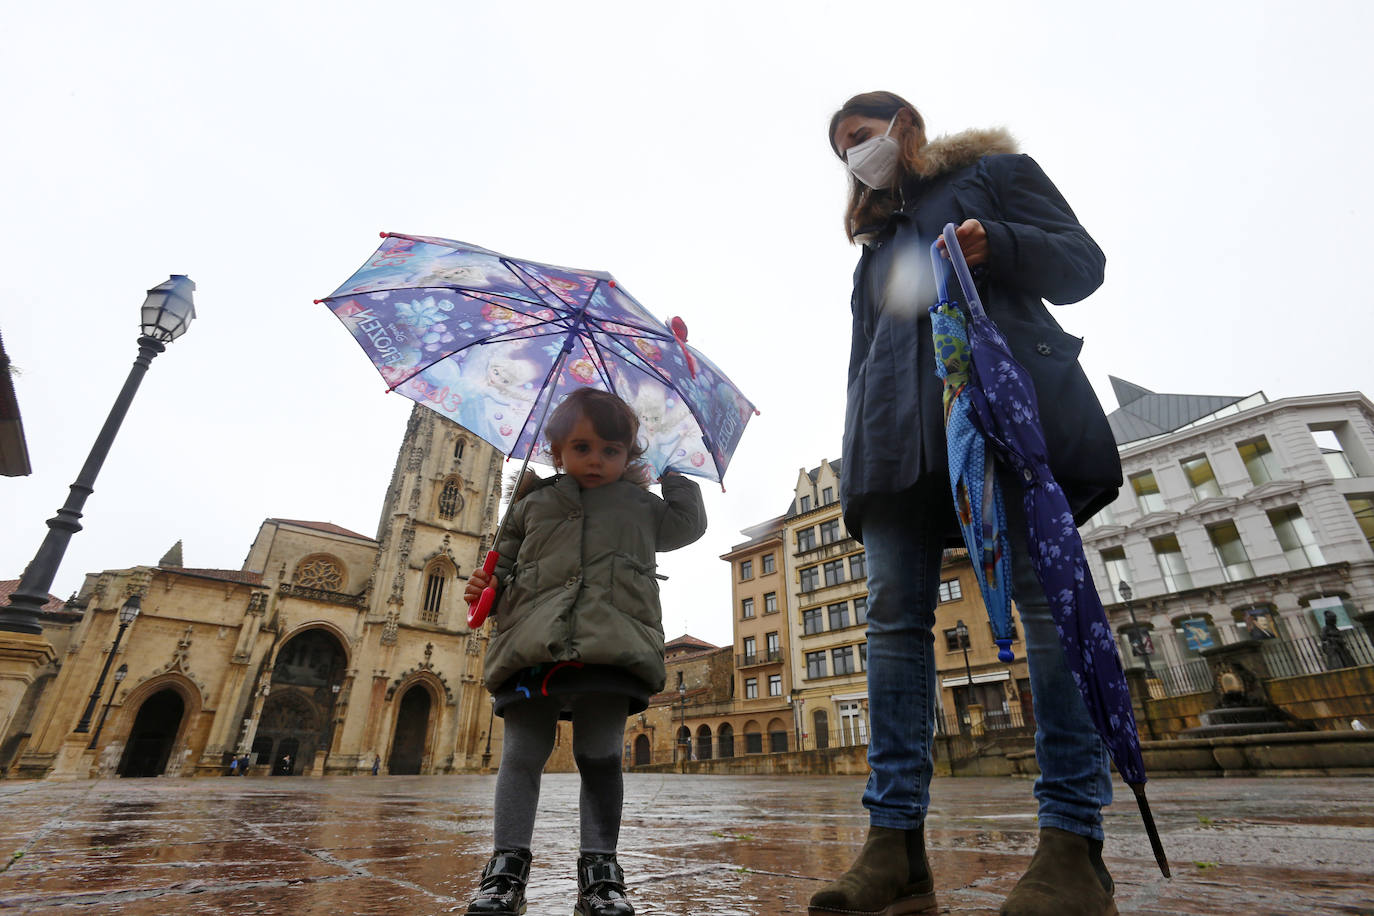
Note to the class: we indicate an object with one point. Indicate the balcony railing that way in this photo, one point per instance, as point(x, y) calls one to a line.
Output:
point(1312, 655)
point(1180, 680)
point(758, 658)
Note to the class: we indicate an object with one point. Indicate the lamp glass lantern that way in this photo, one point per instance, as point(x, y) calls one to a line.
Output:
point(121, 673)
point(130, 610)
point(1125, 589)
point(168, 309)
point(961, 630)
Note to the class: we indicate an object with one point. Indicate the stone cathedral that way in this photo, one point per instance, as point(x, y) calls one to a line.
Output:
point(329, 652)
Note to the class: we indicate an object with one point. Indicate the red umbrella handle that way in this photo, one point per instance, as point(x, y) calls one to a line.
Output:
point(479, 609)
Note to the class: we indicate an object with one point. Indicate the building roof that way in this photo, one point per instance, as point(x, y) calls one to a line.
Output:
point(688, 644)
point(10, 586)
point(326, 527)
point(1143, 413)
point(813, 474)
point(245, 576)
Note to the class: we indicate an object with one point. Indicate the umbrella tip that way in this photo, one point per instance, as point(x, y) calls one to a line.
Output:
point(383, 234)
point(318, 301)
point(1004, 653)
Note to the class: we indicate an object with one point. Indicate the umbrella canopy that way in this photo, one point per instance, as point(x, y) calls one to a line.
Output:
point(491, 342)
point(1006, 412)
point(974, 487)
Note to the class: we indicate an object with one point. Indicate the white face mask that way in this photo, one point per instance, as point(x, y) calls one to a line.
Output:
point(874, 161)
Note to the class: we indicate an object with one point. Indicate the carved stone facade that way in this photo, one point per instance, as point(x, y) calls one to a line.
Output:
point(316, 657)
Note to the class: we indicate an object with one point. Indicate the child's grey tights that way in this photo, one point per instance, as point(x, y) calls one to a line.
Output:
point(598, 733)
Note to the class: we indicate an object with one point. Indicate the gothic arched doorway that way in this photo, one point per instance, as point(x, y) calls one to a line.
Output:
point(412, 725)
point(298, 716)
point(153, 734)
point(644, 754)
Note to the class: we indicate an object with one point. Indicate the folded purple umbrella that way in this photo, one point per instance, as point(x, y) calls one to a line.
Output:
point(1004, 409)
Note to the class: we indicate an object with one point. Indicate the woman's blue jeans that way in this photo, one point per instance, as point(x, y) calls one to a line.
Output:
point(904, 546)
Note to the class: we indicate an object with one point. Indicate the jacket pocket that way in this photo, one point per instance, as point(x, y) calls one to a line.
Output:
point(517, 597)
point(635, 589)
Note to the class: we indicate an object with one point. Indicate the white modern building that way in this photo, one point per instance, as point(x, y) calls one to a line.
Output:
point(1240, 518)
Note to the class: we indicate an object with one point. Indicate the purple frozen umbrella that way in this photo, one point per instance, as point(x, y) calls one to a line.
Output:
point(1005, 410)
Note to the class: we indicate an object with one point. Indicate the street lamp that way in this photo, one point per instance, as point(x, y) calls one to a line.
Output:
point(1126, 592)
point(166, 313)
point(796, 702)
point(120, 674)
point(491, 720)
point(126, 616)
point(962, 632)
point(682, 700)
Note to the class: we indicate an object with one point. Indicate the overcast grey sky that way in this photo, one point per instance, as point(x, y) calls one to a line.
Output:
point(1216, 150)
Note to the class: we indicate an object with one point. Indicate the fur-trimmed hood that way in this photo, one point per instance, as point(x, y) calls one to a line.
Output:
point(951, 152)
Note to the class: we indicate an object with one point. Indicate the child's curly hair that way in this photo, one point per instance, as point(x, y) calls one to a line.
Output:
point(612, 418)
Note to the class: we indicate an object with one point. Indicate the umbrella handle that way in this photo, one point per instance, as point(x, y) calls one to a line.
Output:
point(956, 259)
point(479, 609)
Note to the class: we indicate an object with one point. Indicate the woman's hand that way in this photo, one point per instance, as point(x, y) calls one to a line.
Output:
point(477, 583)
point(973, 241)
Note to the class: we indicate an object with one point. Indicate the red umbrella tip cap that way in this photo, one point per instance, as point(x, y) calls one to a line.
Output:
point(679, 328)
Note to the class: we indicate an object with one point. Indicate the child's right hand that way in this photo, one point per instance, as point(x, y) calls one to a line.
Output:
point(477, 583)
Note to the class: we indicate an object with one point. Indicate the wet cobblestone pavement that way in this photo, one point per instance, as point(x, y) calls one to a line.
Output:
point(734, 846)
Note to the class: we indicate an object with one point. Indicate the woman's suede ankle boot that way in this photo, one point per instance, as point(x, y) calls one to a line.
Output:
point(891, 877)
point(601, 886)
point(502, 891)
point(1066, 877)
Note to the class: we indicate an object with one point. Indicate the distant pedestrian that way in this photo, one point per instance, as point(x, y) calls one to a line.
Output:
point(579, 635)
point(234, 767)
point(1334, 650)
point(376, 764)
point(1024, 246)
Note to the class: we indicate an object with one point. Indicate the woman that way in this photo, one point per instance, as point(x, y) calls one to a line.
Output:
point(1024, 245)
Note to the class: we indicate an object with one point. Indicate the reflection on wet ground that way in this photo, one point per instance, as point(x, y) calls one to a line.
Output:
point(733, 846)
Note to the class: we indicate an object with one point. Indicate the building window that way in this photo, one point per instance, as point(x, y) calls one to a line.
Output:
point(1259, 460)
point(952, 640)
point(1114, 559)
point(1171, 566)
point(804, 504)
point(858, 566)
point(1230, 551)
point(834, 572)
point(774, 646)
point(775, 685)
point(458, 450)
point(753, 742)
point(1295, 537)
point(1333, 453)
point(863, 656)
point(450, 499)
point(320, 571)
point(812, 622)
point(768, 564)
point(815, 664)
point(750, 650)
point(770, 603)
point(839, 615)
point(950, 590)
point(830, 531)
point(746, 570)
point(861, 609)
point(751, 688)
point(777, 742)
point(810, 578)
point(746, 607)
point(806, 540)
point(1363, 507)
point(1147, 494)
point(1200, 477)
point(843, 659)
point(434, 595)
point(827, 495)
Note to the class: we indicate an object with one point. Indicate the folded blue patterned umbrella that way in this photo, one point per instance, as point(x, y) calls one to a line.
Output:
point(1003, 407)
point(973, 485)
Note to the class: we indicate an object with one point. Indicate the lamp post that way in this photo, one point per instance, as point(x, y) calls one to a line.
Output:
point(126, 616)
point(962, 632)
point(120, 674)
point(682, 701)
point(795, 701)
point(167, 312)
point(491, 720)
point(1126, 592)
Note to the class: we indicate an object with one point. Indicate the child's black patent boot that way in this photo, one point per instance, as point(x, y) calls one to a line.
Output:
point(601, 887)
point(502, 891)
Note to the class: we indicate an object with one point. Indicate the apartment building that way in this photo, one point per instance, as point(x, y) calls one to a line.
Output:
point(1240, 518)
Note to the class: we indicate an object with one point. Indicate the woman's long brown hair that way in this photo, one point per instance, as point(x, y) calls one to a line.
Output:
point(869, 208)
